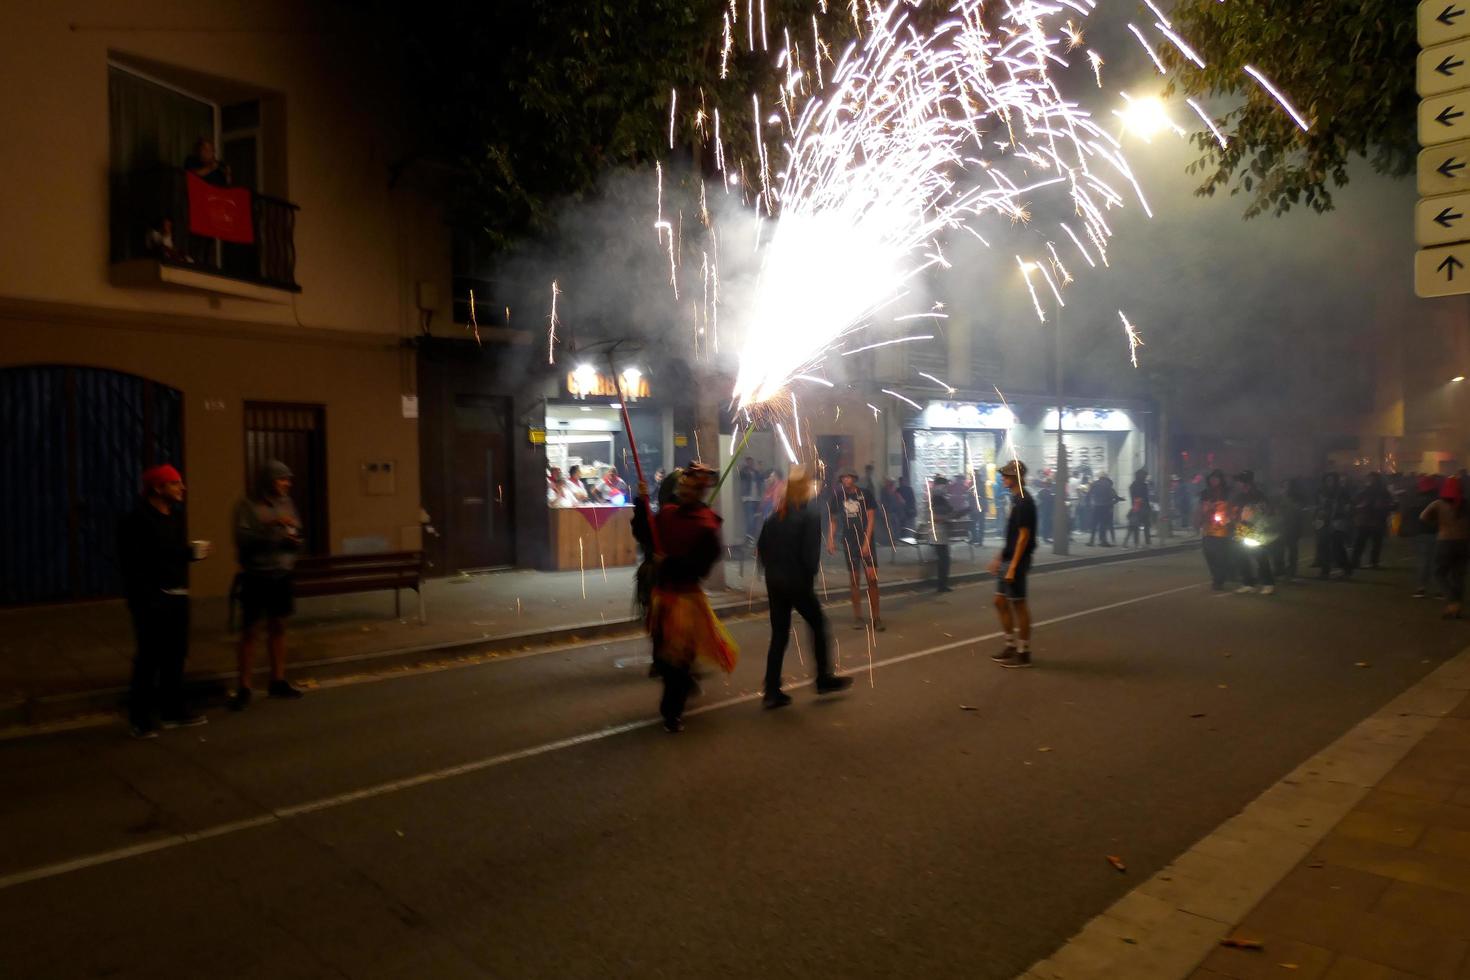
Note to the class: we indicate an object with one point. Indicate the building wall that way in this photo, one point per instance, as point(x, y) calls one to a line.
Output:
point(367, 235)
point(217, 372)
point(360, 245)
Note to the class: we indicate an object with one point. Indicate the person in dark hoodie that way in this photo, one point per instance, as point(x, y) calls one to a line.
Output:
point(267, 540)
point(681, 622)
point(154, 553)
point(642, 528)
point(1372, 506)
point(1333, 522)
point(790, 549)
point(1213, 520)
point(1411, 526)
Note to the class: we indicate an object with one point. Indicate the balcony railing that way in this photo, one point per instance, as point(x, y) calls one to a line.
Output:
point(150, 220)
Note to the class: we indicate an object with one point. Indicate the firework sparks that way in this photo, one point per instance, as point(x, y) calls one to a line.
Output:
point(888, 343)
point(1178, 42)
point(786, 443)
point(1134, 341)
point(673, 109)
point(1153, 55)
point(1280, 99)
point(474, 325)
point(906, 401)
point(551, 325)
point(949, 389)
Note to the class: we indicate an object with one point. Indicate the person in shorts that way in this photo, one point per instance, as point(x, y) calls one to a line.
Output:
point(267, 539)
point(850, 523)
point(1012, 566)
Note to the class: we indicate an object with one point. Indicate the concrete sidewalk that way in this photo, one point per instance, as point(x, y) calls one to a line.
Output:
point(68, 659)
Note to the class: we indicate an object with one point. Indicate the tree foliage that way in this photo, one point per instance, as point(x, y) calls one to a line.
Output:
point(534, 102)
point(1347, 65)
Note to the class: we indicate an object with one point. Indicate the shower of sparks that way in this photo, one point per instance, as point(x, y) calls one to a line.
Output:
point(1020, 480)
point(813, 379)
point(1205, 118)
point(1158, 13)
point(947, 387)
point(1096, 61)
point(1134, 341)
point(1281, 99)
point(887, 343)
point(895, 154)
point(786, 443)
point(1026, 268)
point(796, 420)
point(551, 325)
point(1149, 48)
point(906, 401)
point(876, 410)
point(1178, 41)
point(673, 108)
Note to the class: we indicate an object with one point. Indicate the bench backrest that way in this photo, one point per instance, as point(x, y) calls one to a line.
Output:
point(404, 564)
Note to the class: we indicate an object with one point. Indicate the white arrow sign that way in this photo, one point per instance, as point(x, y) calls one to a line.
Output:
point(1443, 271)
point(1441, 220)
point(1445, 169)
point(1444, 118)
point(1443, 20)
point(1444, 67)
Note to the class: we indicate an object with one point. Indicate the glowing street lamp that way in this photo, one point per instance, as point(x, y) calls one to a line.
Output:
point(631, 377)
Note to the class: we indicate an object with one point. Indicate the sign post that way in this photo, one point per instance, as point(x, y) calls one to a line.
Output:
point(1442, 216)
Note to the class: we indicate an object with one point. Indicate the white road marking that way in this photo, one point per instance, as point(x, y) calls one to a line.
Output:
point(284, 813)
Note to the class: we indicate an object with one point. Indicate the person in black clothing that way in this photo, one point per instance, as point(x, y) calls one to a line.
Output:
point(940, 514)
point(1140, 512)
point(790, 549)
point(1371, 508)
point(1333, 522)
point(1011, 567)
point(1103, 497)
point(1046, 502)
point(155, 554)
point(910, 505)
point(1289, 525)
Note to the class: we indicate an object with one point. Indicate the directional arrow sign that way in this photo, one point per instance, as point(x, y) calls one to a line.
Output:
point(1444, 118)
point(1444, 169)
point(1443, 219)
point(1444, 67)
point(1443, 271)
point(1443, 20)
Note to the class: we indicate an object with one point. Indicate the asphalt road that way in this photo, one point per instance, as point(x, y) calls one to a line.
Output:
point(528, 818)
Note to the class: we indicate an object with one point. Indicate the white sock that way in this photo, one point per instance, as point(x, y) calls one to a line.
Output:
point(1024, 646)
point(1010, 640)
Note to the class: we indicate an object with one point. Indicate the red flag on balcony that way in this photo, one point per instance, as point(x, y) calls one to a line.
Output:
point(220, 212)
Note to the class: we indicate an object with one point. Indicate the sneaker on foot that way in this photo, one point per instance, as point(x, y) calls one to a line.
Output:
point(1245, 590)
point(1268, 590)
point(142, 731)
point(833, 684)
point(944, 588)
point(673, 725)
point(285, 690)
point(186, 720)
point(1420, 593)
point(1006, 654)
point(240, 700)
point(878, 626)
point(859, 624)
point(1021, 658)
point(776, 699)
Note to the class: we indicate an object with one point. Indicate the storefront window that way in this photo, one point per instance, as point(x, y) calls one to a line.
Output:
point(581, 452)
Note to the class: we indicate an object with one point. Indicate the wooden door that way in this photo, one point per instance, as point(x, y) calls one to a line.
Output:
point(481, 511)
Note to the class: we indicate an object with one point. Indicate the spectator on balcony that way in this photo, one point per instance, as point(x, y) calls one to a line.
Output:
point(160, 242)
point(205, 164)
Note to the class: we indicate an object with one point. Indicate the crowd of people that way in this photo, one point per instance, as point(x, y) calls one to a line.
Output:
point(572, 490)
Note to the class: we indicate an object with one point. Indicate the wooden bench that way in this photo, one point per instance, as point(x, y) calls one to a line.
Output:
point(348, 574)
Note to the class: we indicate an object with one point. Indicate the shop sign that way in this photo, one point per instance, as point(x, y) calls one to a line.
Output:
point(585, 383)
point(967, 415)
point(1092, 420)
point(537, 435)
point(681, 441)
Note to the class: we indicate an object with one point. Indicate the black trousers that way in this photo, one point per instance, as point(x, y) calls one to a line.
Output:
point(161, 630)
point(678, 682)
point(1102, 525)
point(1284, 550)
point(1362, 540)
point(1217, 558)
point(1254, 563)
point(1332, 550)
point(807, 606)
point(941, 559)
point(1450, 559)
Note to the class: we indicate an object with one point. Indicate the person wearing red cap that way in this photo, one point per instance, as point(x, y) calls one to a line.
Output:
point(154, 554)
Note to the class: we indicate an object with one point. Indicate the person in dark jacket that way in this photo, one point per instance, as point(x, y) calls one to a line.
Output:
point(1140, 512)
point(1103, 497)
point(154, 553)
point(1333, 523)
point(1371, 508)
point(267, 540)
point(1289, 524)
point(790, 549)
point(682, 624)
point(940, 516)
point(1254, 530)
